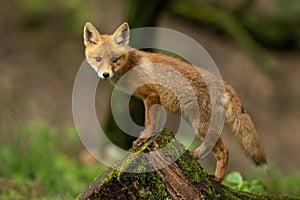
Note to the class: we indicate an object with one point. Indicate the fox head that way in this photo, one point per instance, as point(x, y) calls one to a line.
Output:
point(106, 54)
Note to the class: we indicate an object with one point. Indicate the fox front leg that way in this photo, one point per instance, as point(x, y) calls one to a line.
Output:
point(152, 119)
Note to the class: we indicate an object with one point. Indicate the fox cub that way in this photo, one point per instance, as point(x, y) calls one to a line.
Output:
point(112, 57)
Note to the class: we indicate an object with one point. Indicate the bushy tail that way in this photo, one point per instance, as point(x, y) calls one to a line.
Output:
point(241, 125)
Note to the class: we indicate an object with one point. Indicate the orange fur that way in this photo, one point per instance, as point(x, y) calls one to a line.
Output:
point(116, 45)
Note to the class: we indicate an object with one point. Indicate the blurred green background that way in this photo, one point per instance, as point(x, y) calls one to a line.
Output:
point(255, 44)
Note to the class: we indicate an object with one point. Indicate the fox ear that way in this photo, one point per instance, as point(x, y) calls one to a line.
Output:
point(90, 34)
point(121, 35)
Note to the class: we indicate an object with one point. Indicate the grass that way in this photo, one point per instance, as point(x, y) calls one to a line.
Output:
point(39, 162)
point(278, 183)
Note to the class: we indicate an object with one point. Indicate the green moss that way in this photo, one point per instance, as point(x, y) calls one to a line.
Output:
point(195, 173)
point(191, 168)
point(142, 184)
point(120, 184)
point(164, 137)
point(145, 185)
point(170, 146)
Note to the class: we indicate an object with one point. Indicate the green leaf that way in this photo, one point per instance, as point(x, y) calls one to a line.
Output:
point(257, 182)
point(234, 178)
point(257, 186)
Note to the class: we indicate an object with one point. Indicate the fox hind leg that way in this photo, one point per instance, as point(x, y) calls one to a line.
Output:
point(222, 155)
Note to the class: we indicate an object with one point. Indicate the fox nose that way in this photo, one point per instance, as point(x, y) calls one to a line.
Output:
point(105, 74)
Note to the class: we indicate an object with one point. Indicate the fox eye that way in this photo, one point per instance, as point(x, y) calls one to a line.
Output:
point(114, 59)
point(98, 59)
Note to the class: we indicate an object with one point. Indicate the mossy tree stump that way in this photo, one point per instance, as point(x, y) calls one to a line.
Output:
point(182, 179)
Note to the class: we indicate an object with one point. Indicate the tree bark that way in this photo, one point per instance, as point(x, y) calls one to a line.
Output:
point(182, 179)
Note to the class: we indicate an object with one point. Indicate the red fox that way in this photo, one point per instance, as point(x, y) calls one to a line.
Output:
point(112, 57)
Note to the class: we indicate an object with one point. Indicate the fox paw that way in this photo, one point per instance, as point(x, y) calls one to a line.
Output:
point(217, 179)
point(138, 142)
point(195, 155)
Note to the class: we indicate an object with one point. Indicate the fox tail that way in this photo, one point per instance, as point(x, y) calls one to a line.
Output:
point(241, 125)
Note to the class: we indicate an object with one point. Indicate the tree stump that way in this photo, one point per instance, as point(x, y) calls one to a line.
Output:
point(182, 179)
